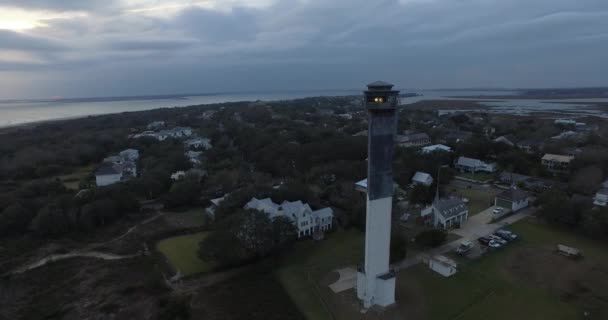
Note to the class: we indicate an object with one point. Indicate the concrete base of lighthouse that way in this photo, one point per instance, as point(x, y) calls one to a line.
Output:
point(383, 289)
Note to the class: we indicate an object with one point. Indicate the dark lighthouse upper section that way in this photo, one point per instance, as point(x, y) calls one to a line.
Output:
point(381, 103)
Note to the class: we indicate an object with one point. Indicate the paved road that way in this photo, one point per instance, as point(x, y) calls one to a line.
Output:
point(471, 230)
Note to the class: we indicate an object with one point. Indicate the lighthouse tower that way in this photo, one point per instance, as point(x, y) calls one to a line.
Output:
point(375, 281)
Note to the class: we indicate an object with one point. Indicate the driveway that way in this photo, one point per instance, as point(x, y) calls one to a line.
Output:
point(473, 229)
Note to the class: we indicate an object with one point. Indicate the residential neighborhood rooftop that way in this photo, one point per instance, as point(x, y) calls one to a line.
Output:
point(513, 194)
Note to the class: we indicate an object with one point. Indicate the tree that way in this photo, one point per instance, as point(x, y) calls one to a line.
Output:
point(183, 193)
point(51, 220)
point(556, 207)
point(254, 231)
point(421, 194)
point(98, 213)
point(14, 219)
point(595, 223)
point(222, 247)
point(284, 233)
point(586, 180)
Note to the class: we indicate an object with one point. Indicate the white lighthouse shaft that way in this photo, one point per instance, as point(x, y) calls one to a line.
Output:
point(375, 281)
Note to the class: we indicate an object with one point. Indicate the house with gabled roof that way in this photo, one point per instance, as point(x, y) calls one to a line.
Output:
point(446, 213)
point(108, 173)
point(557, 162)
point(465, 164)
point(601, 198)
point(513, 199)
point(306, 220)
point(507, 139)
point(412, 140)
point(422, 178)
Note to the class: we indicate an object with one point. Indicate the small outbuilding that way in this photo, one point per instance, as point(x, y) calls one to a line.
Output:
point(512, 199)
point(422, 178)
point(443, 265)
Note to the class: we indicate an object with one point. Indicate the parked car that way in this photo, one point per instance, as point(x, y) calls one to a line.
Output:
point(498, 239)
point(504, 237)
point(489, 242)
point(506, 234)
point(464, 247)
point(497, 210)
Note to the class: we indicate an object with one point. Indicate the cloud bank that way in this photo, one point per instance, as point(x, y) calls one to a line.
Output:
point(123, 47)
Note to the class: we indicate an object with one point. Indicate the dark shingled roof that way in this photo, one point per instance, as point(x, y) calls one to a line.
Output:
point(513, 195)
point(107, 169)
point(450, 207)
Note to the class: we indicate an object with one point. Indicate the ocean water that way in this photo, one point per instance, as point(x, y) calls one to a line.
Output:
point(15, 113)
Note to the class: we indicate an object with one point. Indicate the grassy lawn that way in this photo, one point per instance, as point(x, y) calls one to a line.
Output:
point(526, 280)
point(479, 200)
point(479, 176)
point(181, 251)
point(72, 180)
point(301, 271)
point(495, 287)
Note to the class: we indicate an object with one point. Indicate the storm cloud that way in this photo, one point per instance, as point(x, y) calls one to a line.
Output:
point(122, 47)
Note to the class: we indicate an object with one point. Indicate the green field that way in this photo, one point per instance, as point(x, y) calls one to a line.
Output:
point(181, 251)
point(72, 180)
point(479, 176)
point(500, 285)
point(301, 271)
point(526, 280)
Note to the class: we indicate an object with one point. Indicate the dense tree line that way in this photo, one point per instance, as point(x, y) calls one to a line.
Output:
point(245, 236)
point(557, 207)
point(47, 209)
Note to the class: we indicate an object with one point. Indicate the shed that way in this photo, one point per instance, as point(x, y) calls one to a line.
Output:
point(443, 265)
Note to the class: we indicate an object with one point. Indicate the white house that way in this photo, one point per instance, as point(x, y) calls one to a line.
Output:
point(565, 121)
point(215, 203)
point(177, 132)
point(566, 135)
point(156, 125)
point(130, 154)
point(117, 168)
point(601, 198)
point(443, 265)
point(198, 143)
point(422, 178)
point(446, 213)
point(508, 139)
point(474, 165)
point(512, 199)
point(412, 140)
point(436, 148)
point(107, 174)
point(194, 157)
point(306, 221)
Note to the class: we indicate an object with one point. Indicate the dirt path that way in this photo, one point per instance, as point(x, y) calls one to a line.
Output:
point(57, 257)
point(129, 231)
point(86, 252)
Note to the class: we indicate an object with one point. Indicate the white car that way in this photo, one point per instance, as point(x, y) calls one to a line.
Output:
point(494, 244)
point(465, 246)
point(497, 210)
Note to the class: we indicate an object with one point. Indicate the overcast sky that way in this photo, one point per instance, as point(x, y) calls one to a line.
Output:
point(77, 48)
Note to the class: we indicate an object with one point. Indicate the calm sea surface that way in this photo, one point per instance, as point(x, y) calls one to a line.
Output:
point(14, 113)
